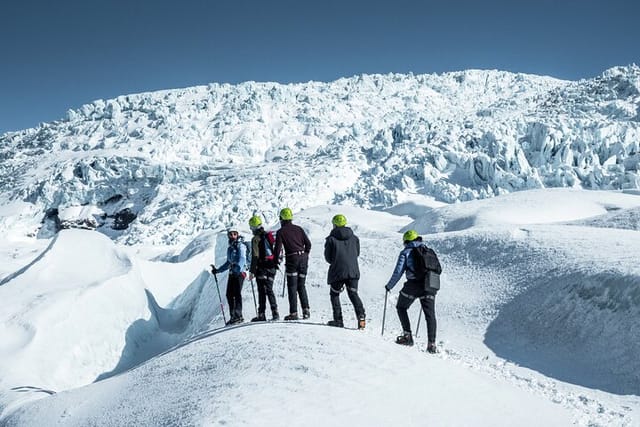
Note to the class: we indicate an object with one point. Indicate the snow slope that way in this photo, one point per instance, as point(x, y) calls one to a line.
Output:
point(294, 374)
point(530, 326)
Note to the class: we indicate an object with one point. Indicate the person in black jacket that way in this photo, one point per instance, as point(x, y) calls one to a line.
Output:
point(341, 251)
point(296, 249)
point(263, 267)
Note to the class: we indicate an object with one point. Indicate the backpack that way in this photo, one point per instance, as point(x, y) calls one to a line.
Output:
point(247, 252)
point(266, 258)
point(427, 267)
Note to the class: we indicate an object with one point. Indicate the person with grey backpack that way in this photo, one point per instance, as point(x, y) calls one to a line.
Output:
point(422, 268)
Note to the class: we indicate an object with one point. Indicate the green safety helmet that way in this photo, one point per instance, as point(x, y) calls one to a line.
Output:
point(410, 236)
point(255, 221)
point(286, 214)
point(339, 220)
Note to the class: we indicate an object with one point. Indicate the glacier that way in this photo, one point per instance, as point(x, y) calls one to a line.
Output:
point(161, 166)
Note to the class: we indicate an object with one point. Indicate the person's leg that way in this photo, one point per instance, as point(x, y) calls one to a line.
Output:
point(261, 282)
point(302, 289)
point(352, 293)
point(238, 296)
point(230, 299)
point(404, 302)
point(273, 302)
point(428, 303)
point(292, 286)
point(334, 295)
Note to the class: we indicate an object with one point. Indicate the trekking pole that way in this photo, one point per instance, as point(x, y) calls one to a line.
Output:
point(254, 297)
point(384, 311)
point(284, 282)
point(219, 297)
point(418, 325)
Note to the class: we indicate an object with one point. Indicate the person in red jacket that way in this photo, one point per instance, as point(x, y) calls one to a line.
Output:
point(296, 246)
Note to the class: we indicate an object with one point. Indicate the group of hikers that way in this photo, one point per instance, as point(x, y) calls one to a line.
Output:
point(261, 259)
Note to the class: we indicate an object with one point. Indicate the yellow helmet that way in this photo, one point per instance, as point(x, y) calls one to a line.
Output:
point(339, 220)
point(286, 214)
point(410, 236)
point(255, 221)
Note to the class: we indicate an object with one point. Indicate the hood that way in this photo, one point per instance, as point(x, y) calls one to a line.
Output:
point(414, 244)
point(341, 233)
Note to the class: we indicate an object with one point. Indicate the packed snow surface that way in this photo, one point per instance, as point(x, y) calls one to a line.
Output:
point(532, 317)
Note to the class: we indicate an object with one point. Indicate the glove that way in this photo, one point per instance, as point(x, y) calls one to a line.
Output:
point(244, 275)
point(387, 288)
point(214, 270)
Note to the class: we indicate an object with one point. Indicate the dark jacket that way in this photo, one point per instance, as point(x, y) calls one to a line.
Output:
point(341, 250)
point(293, 239)
point(261, 255)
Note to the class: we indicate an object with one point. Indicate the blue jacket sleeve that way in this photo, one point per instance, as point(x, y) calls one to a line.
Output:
point(223, 267)
point(401, 266)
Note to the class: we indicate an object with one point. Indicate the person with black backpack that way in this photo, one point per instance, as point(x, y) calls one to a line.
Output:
point(235, 263)
point(422, 269)
point(263, 267)
point(341, 251)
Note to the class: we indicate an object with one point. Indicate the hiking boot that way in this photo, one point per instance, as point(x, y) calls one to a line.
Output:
point(275, 315)
point(292, 316)
point(405, 339)
point(431, 348)
point(235, 320)
point(306, 313)
point(336, 323)
point(259, 318)
point(361, 323)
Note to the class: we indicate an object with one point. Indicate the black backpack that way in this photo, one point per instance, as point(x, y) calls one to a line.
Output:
point(427, 267)
point(266, 258)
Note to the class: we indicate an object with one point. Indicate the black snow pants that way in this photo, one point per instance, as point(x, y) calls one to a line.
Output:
point(296, 271)
point(352, 293)
point(264, 280)
point(234, 295)
point(408, 294)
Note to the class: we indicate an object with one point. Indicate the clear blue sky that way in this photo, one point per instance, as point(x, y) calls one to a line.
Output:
point(56, 55)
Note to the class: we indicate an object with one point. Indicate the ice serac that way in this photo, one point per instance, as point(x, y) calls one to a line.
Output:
point(159, 167)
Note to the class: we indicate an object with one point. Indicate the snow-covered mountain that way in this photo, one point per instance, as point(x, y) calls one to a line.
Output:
point(537, 317)
point(159, 167)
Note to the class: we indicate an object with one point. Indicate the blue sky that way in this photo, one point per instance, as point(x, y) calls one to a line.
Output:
point(56, 55)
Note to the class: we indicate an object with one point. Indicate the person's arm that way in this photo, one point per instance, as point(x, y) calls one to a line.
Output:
point(329, 253)
point(307, 242)
point(401, 266)
point(277, 250)
point(223, 267)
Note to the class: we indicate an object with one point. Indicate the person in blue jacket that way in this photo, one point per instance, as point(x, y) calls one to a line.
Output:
point(236, 264)
point(411, 291)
